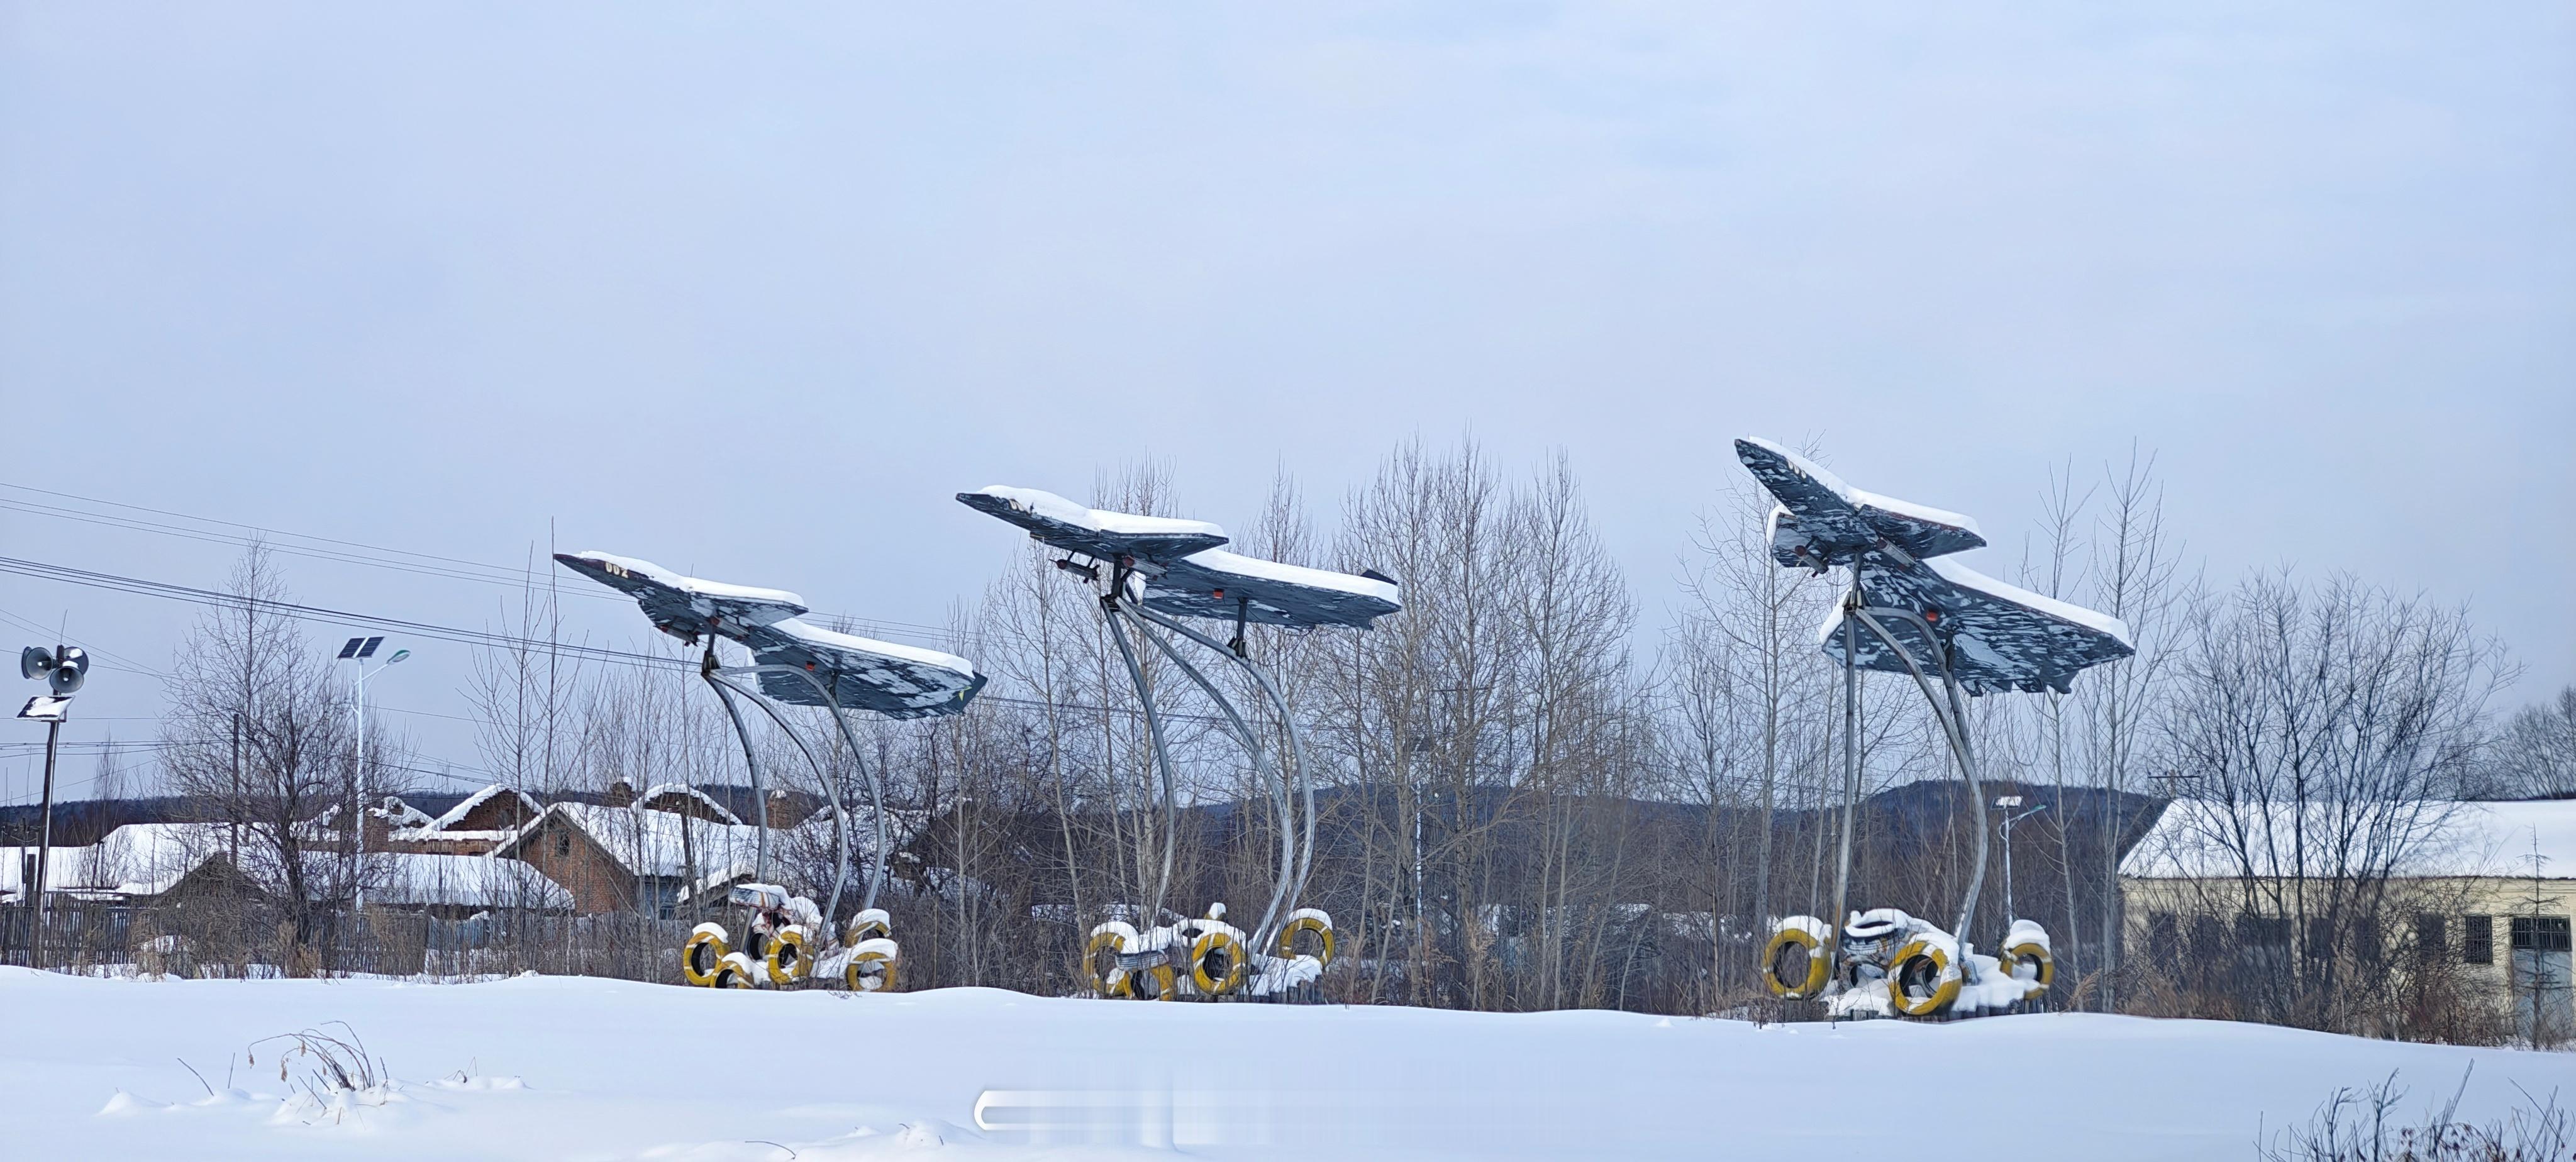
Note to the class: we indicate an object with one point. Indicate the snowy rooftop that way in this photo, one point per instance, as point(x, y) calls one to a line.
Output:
point(147, 859)
point(464, 880)
point(664, 843)
point(2195, 839)
point(466, 806)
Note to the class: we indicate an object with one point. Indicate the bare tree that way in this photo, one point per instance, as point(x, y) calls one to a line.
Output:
point(246, 672)
point(2535, 755)
point(1765, 615)
point(526, 692)
point(2319, 732)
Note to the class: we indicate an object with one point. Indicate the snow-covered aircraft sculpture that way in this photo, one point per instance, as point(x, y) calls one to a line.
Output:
point(1923, 616)
point(805, 665)
point(1153, 571)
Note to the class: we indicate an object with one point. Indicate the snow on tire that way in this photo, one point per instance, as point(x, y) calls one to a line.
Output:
point(699, 957)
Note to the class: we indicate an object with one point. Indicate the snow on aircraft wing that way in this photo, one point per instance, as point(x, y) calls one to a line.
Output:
point(1185, 573)
point(1093, 532)
point(1997, 636)
point(686, 607)
point(897, 681)
point(1822, 521)
point(863, 674)
point(2000, 636)
point(1216, 583)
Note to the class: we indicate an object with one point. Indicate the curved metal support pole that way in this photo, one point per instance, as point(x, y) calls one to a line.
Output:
point(1296, 747)
point(841, 873)
point(840, 816)
point(1162, 758)
point(1851, 781)
point(1251, 743)
point(759, 788)
point(1954, 725)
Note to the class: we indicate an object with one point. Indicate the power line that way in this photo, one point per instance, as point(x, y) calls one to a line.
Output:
point(437, 565)
point(125, 663)
point(345, 618)
point(422, 564)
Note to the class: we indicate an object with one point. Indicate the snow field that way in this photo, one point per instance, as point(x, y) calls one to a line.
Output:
point(574, 1068)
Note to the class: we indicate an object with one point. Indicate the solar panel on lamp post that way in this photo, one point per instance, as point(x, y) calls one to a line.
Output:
point(356, 652)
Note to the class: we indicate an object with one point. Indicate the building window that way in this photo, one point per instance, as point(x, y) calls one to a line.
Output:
point(2432, 936)
point(563, 843)
point(2164, 940)
point(2208, 940)
point(2321, 938)
point(2263, 931)
point(2540, 934)
point(661, 896)
point(2477, 940)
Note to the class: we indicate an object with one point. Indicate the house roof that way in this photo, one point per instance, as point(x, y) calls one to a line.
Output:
point(464, 880)
point(648, 842)
point(147, 859)
point(465, 806)
point(2198, 839)
point(719, 811)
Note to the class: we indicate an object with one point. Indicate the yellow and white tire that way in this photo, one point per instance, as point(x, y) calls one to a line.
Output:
point(872, 967)
point(736, 971)
point(1158, 983)
point(788, 960)
point(1313, 925)
point(698, 957)
point(1922, 959)
point(872, 924)
point(1106, 942)
point(2033, 955)
point(1218, 944)
point(1812, 982)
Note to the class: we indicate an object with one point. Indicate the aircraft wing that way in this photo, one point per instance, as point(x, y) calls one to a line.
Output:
point(1999, 636)
point(1822, 521)
point(686, 607)
point(1092, 532)
point(897, 681)
point(1217, 584)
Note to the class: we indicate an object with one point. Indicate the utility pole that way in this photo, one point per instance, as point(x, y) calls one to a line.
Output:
point(232, 850)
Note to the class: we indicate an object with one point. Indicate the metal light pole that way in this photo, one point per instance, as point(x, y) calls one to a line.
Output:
point(2007, 803)
point(356, 652)
point(64, 669)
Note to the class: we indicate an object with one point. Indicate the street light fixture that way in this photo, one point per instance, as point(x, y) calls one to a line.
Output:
point(2008, 802)
point(356, 652)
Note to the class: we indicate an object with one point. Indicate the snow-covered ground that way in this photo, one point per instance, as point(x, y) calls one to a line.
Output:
point(560, 1068)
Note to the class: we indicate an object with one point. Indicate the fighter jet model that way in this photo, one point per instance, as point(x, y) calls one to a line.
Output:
point(1996, 636)
point(1182, 570)
point(897, 681)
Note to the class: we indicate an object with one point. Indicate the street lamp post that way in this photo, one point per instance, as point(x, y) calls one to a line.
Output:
point(2007, 803)
point(64, 668)
point(356, 653)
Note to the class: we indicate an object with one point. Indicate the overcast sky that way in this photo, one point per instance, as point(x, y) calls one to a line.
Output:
point(750, 290)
